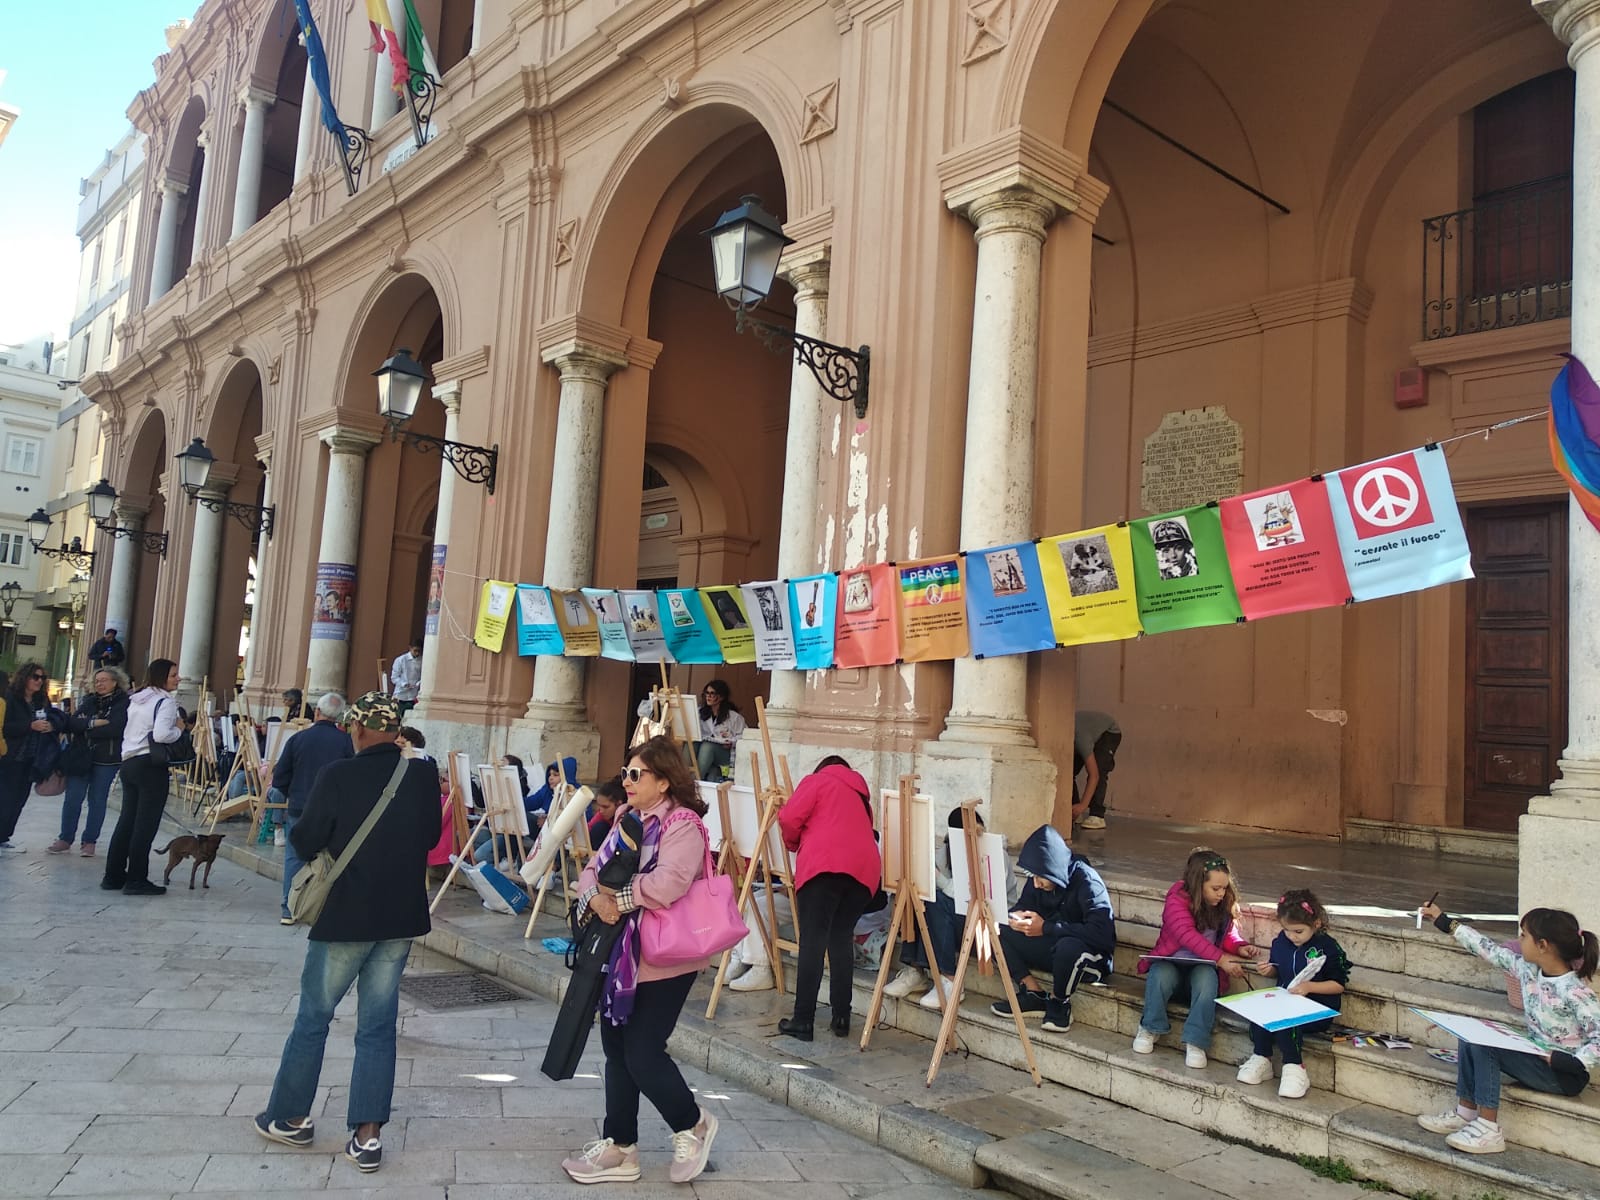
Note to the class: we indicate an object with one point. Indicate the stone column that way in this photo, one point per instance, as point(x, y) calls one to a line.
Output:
point(1560, 835)
point(477, 26)
point(252, 150)
point(310, 119)
point(328, 658)
point(385, 100)
point(802, 465)
point(200, 598)
point(449, 395)
point(166, 251)
point(122, 593)
point(202, 198)
point(258, 610)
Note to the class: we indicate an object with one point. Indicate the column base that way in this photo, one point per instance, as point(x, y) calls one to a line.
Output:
point(1017, 783)
point(1557, 846)
point(547, 737)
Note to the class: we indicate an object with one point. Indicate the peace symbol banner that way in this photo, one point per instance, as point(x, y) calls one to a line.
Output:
point(607, 608)
point(1089, 581)
point(537, 631)
point(865, 635)
point(580, 636)
point(1283, 550)
point(1398, 526)
point(1180, 568)
point(768, 605)
point(686, 626)
point(1006, 608)
point(730, 623)
point(642, 619)
point(933, 615)
point(811, 600)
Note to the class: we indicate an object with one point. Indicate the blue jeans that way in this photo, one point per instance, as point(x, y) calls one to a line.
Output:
point(711, 758)
point(95, 786)
point(1197, 984)
point(292, 861)
point(1478, 1071)
point(945, 928)
point(331, 967)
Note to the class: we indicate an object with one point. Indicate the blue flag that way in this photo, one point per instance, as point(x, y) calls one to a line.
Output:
point(687, 628)
point(317, 64)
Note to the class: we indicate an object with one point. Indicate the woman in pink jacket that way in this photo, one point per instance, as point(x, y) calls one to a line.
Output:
point(1198, 927)
point(828, 821)
point(641, 1002)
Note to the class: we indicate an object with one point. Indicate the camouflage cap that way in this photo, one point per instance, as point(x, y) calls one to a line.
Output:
point(374, 711)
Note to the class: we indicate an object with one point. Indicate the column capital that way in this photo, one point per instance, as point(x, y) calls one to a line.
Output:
point(250, 96)
point(220, 479)
point(448, 394)
point(1011, 209)
point(807, 270)
point(348, 439)
point(203, 139)
point(1020, 161)
point(576, 335)
point(174, 187)
point(1575, 22)
point(584, 360)
point(128, 514)
point(264, 448)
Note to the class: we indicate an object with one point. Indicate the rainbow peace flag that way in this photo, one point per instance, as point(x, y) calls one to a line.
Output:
point(1575, 435)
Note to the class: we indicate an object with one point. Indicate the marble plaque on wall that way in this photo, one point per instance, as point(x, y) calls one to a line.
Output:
point(1193, 457)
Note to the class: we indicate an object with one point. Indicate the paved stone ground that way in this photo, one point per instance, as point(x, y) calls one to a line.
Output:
point(139, 1036)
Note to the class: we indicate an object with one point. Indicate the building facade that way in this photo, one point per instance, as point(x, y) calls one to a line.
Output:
point(1055, 224)
point(30, 400)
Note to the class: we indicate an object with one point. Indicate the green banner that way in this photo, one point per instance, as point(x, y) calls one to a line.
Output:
point(1181, 572)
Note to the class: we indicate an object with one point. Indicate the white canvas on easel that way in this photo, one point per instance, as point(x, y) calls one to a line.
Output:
point(992, 869)
point(229, 736)
point(278, 732)
point(922, 843)
point(502, 796)
point(744, 816)
point(713, 817)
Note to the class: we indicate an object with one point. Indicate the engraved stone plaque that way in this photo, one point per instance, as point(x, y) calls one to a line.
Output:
point(1193, 457)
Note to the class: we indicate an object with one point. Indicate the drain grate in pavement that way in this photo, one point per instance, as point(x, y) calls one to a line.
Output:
point(459, 989)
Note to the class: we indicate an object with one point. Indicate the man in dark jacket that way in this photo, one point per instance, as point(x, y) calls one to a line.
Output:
point(1063, 922)
point(376, 906)
point(108, 651)
point(299, 762)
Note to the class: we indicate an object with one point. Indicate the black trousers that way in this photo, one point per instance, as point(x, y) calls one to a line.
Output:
point(827, 909)
point(1105, 758)
point(637, 1062)
point(1071, 961)
point(1287, 1042)
point(16, 784)
point(144, 799)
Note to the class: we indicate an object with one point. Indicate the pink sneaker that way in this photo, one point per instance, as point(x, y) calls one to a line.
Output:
point(603, 1162)
point(88, 850)
point(691, 1149)
point(59, 847)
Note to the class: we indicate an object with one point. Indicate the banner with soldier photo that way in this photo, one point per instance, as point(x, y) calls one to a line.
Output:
point(1181, 572)
point(1089, 579)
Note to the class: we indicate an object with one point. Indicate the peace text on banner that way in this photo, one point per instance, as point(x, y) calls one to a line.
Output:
point(933, 610)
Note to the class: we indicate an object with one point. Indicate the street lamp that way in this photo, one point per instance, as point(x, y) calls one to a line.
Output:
point(78, 595)
point(102, 498)
point(400, 380)
point(746, 244)
point(71, 552)
point(9, 591)
point(194, 470)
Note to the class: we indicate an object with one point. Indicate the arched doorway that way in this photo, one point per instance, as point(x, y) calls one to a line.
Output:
point(231, 436)
point(279, 73)
point(133, 611)
point(187, 165)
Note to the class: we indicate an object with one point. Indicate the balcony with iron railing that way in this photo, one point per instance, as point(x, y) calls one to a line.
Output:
point(1507, 261)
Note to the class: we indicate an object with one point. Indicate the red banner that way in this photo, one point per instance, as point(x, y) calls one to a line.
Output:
point(867, 634)
point(1283, 550)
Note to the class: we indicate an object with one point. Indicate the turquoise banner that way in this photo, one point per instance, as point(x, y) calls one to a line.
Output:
point(811, 600)
point(537, 631)
point(687, 627)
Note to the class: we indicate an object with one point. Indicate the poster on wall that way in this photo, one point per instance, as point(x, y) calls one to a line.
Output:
point(687, 627)
point(811, 600)
point(1283, 551)
point(1090, 582)
point(731, 623)
point(430, 623)
point(933, 609)
point(1006, 608)
point(333, 603)
point(607, 608)
point(642, 619)
point(866, 635)
point(579, 632)
point(495, 602)
point(768, 603)
point(1181, 573)
point(1398, 524)
point(537, 630)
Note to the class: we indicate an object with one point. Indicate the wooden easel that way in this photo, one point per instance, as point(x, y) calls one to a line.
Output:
point(254, 799)
point(503, 806)
point(909, 919)
point(569, 828)
point(459, 790)
point(981, 935)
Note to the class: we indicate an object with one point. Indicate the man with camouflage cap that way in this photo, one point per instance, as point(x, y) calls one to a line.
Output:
point(363, 936)
point(1175, 557)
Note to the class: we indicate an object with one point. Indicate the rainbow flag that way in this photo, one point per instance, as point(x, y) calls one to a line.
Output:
point(1575, 435)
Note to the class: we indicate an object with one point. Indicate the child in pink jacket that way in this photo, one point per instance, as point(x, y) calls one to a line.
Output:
point(1200, 946)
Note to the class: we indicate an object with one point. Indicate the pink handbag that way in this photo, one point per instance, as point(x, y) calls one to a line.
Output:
point(701, 923)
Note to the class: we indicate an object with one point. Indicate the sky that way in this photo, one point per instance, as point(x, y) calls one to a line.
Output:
point(73, 67)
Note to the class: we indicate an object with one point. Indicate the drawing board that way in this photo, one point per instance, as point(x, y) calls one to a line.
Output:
point(1482, 1033)
point(922, 842)
point(1276, 1008)
point(713, 817)
point(502, 796)
point(993, 869)
point(744, 814)
point(278, 732)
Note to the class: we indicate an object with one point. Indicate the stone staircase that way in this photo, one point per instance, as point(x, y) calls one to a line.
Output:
point(1363, 1103)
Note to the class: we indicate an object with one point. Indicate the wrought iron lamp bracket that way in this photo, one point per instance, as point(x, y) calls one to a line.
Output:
point(150, 543)
point(475, 464)
point(252, 516)
point(83, 560)
point(842, 372)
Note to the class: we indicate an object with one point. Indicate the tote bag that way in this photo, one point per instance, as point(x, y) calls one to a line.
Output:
point(701, 923)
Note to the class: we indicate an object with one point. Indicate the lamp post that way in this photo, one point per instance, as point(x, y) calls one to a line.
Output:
point(9, 591)
point(746, 244)
point(102, 498)
point(195, 471)
point(71, 552)
point(78, 595)
point(400, 382)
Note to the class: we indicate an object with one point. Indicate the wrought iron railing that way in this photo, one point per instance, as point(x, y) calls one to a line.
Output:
point(1505, 262)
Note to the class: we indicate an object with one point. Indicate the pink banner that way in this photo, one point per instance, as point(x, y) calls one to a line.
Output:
point(1283, 550)
point(868, 600)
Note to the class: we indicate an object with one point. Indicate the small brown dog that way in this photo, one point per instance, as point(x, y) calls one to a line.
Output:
point(203, 846)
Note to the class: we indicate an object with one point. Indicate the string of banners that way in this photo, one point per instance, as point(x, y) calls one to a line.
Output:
point(1379, 529)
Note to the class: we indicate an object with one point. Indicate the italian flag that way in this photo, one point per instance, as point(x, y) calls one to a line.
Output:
point(408, 56)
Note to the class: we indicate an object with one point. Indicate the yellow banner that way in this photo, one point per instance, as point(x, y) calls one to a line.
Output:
point(731, 623)
point(575, 619)
point(1088, 581)
point(494, 611)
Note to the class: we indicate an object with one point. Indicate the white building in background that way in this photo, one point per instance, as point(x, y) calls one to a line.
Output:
point(30, 400)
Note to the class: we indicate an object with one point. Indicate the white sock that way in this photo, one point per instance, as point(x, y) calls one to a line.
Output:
point(1465, 1113)
point(1492, 1126)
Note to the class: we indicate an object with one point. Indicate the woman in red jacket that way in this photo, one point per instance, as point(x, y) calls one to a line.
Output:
point(828, 821)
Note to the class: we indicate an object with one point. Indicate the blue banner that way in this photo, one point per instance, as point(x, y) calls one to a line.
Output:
point(607, 608)
point(811, 600)
point(1006, 608)
point(687, 628)
point(537, 631)
point(1398, 526)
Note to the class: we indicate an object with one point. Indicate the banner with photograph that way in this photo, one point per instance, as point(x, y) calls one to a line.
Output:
point(1007, 612)
point(812, 600)
point(575, 619)
point(865, 635)
point(933, 609)
point(731, 623)
point(333, 602)
point(537, 630)
point(1180, 570)
point(494, 614)
point(1283, 550)
point(687, 628)
point(430, 621)
point(768, 604)
point(1089, 582)
point(642, 619)
point(607, 608)
point(1398, 525)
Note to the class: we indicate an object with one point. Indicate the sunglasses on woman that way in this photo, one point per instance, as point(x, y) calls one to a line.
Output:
point(632, 774)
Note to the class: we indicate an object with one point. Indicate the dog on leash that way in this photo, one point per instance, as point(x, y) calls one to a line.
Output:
point(201, 846)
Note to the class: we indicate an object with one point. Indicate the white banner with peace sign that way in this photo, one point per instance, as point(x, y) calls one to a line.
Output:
point(1398, 525)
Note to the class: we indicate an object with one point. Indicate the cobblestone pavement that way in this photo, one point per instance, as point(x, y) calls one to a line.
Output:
point(139, 1036)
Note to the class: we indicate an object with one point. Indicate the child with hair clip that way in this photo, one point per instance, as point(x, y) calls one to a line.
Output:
point(1556, 970)
point(1198, 923)
point(1304, 940)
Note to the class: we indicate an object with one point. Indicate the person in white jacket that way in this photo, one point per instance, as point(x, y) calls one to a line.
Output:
point(153, 716)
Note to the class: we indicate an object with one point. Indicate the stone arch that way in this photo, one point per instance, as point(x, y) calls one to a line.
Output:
point(709, 495)
point(145, 461)
point(182, 147)
point(224, 405)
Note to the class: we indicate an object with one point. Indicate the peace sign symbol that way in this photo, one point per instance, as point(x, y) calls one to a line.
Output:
point(1385, 497)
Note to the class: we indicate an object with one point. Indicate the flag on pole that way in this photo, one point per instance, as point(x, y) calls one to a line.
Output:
point(317, 64)
point(386, 41)
point(419, 55)
point(1575, 435)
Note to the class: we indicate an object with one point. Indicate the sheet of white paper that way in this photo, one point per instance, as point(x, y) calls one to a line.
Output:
point(1275, 1008)
point(744, 814)
point(1482, 1033)
point(1308, 972)
point(991, 868)
point(713, 817)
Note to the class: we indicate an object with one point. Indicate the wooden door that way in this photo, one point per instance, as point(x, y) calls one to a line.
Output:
point(1516, 723)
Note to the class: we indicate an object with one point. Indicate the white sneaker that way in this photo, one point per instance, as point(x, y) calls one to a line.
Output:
point(1144, 1042)
point(1478, 1137)
point(1194, 1058)
point(1256, 1069)
point(278, 837)
point(1294, 1082)
point(11, 848)
point(931, 1000)
point(910, 979)
point(1092, 823)
point(756, 979)
point(1446, 1122)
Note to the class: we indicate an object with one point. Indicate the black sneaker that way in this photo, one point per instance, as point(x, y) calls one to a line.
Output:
point(286, 1132)
point(1058, 1014)
point(143, 887)
point(1029, 1002)
point(112, 885)
point(366, 1155)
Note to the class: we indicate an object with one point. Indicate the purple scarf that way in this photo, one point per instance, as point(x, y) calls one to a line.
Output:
point(622, 972)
